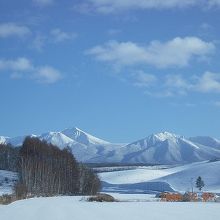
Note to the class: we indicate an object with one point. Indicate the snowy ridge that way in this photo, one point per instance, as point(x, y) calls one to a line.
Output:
point(160, 148)
point(207, 141)
point(84, 146)
point(3, 139)
point(83, 137)
point(164, 148)
point(57, 138)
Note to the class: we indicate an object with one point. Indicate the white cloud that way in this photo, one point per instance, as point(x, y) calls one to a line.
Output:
point(143, 79)
point(12, 29)
point(111, 6)
point(23, 68)
point(177, 81)
point(107, 6)
point(47, 75)
point(176, 52)
point(208, 82)
point(171, 85)
point(54, 36)
point(39, 42)
point(20, 64)
point(43, 3)
point(59, 35)
point(214, 2)
point(125, 53)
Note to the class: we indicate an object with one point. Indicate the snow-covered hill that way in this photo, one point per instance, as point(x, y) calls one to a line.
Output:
point(160, 148)
point(67, 208)
point(182, 179)
point(148, 179)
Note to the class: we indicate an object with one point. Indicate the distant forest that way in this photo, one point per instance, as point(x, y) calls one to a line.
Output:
point(9, 157)
point(45, 170)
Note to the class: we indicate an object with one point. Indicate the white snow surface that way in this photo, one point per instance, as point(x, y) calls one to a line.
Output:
point(83, 137)
point(66, 208)
point(138, 175)
point(3, 139)
point(180, 178)
point(7, 181)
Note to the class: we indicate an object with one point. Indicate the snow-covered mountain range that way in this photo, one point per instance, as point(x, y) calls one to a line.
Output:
point(160, 148)
point(167, 148)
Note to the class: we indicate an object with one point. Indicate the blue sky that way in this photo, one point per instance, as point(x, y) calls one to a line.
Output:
point(120, 70)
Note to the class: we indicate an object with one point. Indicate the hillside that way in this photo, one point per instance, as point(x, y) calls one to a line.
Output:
point(164, 148)
point(7, 181)
point(147, 179)
point(160, 148)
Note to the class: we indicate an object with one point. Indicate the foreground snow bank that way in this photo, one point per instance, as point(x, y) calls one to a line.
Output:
point(66, 208)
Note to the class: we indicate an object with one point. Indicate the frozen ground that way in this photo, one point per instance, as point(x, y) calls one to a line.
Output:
point(67, 208)
point(7, 180)
point(133, 203)
point(152, 179)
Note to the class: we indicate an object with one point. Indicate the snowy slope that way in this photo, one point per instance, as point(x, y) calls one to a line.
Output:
point(17, 141)
point(83, 137)
point(141, 174)
point(3, 139)
point(7, 181)
point(160, 148)
point(180, 178)
point(164, 148)
point(67, 208)
point(206, 141)
point(57, 138)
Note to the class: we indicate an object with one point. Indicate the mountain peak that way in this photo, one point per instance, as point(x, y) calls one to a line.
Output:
point(3, 139)
point(82, 137)
point(162, 136)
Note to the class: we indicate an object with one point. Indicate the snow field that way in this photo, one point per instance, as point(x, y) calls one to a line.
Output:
point(180, 178)
point(68, 208)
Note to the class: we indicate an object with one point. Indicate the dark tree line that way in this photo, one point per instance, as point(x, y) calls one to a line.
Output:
point(8, 157)
point(45, 170)
point(89, 183)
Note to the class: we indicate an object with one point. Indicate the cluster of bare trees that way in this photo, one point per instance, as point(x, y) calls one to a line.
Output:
point(8, 157)
point(45, 170)
point(89, 183)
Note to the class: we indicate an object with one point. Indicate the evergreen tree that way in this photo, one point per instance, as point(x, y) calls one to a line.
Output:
point(200, 183)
